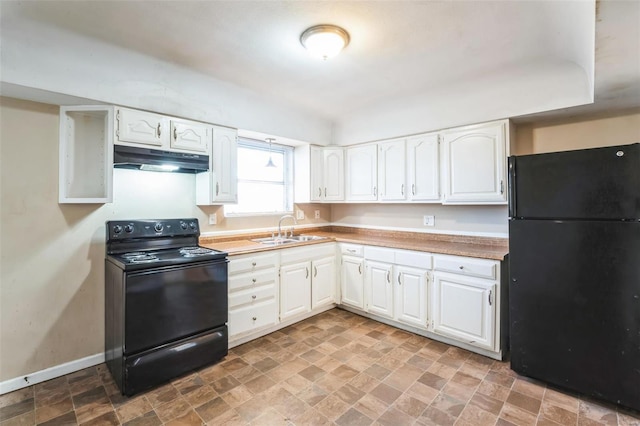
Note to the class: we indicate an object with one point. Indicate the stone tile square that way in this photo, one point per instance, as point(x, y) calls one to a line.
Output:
point(386, 393)
point(353, 417)
point(312, 373)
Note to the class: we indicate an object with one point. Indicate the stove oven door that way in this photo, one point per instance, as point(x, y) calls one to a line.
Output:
point(168, 304)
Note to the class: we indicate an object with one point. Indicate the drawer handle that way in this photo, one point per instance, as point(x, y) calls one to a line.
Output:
point(351, 250)
point(253, 297)
point(254, 318)
point(158, 130)
point(253, 263)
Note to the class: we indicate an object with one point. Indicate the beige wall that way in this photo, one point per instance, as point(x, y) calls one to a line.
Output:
point(565, 135)
point(484, 220)
point(51, 268)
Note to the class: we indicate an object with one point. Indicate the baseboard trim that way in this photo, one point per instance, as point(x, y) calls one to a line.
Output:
point(50, 373)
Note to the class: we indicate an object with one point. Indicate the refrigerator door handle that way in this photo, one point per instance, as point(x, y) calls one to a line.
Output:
point(511, 182)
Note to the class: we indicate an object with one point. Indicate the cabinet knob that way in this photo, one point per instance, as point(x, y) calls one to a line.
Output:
point(254, 318)
point(253, 297)
point(461, 267)
point(158, 130)
point(253, 263)
point(254, 280)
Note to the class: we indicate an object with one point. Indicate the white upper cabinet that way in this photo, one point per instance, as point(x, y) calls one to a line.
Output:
point(391, 170)
point(333, 174)
point(423, 168)
point(86, 154)
point(220, 184)
point(316, 173)
point(362, 173)
point(475, 163)
point(319, 174)
point(141, 127)
point(190, 136)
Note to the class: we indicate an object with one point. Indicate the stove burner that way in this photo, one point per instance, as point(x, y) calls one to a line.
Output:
point(194, 251)
point(140, 257)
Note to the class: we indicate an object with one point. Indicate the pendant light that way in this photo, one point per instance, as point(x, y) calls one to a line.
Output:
point(270, 162)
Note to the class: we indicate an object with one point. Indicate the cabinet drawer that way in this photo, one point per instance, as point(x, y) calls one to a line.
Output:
point(351, 249)
point(252, 295)
point(379, 254)
point(252, 262)
point(252, 317)
point(415, 259)
point(466, 266)
point(252, 279)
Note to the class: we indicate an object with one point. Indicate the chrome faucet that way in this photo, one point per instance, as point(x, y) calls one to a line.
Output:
point(295, 222)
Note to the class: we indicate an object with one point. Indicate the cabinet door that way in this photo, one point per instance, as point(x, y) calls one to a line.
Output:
point(190, 136)
point(333, 174)
point(423, 168)
point(411, 296)
point(323, 283)
point(379, 287)
point(362, 173)
point(352, 282)
point(464, 308)
point(316, 171)
point(391, 170)
point(475, 165)
point(140, 127)
point(295, 289)
point(225, 167)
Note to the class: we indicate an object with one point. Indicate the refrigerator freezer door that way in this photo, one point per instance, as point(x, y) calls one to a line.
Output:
point(599, 183)
point(574, 309)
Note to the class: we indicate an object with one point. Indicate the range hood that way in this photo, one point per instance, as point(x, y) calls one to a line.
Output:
point(127, 157)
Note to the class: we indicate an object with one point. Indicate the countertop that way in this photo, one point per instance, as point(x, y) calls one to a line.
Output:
point(469, 246)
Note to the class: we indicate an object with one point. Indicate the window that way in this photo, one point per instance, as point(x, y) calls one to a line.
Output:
point(263, 189)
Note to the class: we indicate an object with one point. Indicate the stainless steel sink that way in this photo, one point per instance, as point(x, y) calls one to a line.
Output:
point(275, 241)
point(307, 238)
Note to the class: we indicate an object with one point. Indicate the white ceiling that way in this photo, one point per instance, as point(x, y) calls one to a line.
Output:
point(398, 48)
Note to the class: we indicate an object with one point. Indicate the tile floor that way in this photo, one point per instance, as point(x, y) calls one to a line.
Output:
point(335, 368)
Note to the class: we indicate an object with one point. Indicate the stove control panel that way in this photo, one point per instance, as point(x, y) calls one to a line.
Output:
point(141, 229)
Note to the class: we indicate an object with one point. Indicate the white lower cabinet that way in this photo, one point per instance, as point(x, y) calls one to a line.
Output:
point(464, 308)
point(323, 282)
point(411, 296)
point(253, 289)
point(379, 286)
point(295, 289)
point(352, 281)
point(307, 279)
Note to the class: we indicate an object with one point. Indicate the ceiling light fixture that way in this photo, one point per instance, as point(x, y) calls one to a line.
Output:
point(324, 41)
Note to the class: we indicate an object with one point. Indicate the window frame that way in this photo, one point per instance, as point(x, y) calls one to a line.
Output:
point(288, 173)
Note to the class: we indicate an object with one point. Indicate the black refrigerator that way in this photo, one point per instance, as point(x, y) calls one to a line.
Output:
point(574, 257)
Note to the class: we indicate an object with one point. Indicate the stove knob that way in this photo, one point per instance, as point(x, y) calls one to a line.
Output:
point(128, 228)
point(183, 225)
point(158, 227)
point(117, 229)
point(192, 225)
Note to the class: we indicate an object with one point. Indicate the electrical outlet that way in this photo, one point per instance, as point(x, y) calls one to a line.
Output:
point(299, 214)
point(429, 220)
point(316, 214)
point(213, 219)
